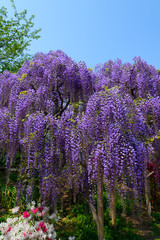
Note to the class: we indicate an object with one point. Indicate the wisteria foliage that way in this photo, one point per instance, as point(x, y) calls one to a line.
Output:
point(67, 121)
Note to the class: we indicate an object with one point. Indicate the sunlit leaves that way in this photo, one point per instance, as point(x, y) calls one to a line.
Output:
point(16, 35)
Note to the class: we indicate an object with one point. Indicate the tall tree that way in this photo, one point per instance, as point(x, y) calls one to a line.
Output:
point(81, 131)
point(16, 35)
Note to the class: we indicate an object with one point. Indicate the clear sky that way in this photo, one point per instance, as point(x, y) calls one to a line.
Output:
point(95, 31)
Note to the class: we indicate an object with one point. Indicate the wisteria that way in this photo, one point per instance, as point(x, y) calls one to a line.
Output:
point(79, 130)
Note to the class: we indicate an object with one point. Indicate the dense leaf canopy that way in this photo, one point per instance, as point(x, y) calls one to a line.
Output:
point(15, 37)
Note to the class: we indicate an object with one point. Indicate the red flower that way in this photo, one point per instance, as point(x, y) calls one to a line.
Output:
point(40, 209)
point(26, 214)
point(9, 229)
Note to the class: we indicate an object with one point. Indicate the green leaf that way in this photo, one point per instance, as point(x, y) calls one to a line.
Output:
point(16, 35)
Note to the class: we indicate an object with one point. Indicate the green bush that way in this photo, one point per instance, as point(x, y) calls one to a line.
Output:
point(8, 196)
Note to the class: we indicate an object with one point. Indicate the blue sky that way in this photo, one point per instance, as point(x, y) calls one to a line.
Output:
point(95, 31)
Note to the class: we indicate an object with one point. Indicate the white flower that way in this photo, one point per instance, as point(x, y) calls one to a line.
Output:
point(33, 202)
point(57, 218)
point(20, 228)
point(28, 206)
point(54, 235)
point(9, 221)
point(71, 238)
point(14, 210)
point(45, 210)
point(52, 216)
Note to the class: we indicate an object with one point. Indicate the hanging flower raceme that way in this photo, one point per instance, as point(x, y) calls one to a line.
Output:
point(38, 95)
point(107, 132)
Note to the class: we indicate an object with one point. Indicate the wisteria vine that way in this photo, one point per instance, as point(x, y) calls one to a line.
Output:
point(68, 121)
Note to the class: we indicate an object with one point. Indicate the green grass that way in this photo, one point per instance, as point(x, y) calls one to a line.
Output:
point(156, 224)
point(76, 222)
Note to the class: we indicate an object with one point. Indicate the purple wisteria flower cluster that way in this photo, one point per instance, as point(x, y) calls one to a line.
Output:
point(72, 125)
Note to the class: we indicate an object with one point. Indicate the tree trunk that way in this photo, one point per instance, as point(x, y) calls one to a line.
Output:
point(113, 207)
point(94, 213)
point(62, 203)
point(100, 202)
point(7, 176)
point(147, 196)
point(74, 195)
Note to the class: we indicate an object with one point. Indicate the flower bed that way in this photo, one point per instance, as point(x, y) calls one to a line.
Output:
point(34, 223)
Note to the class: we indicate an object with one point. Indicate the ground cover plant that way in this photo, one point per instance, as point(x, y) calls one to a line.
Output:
point(75, 133)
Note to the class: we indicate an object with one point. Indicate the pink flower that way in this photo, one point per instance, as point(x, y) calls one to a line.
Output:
point(9, 229)
point(26, 214)
point(43, 226)
point(24, 234)
point(34, 210)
